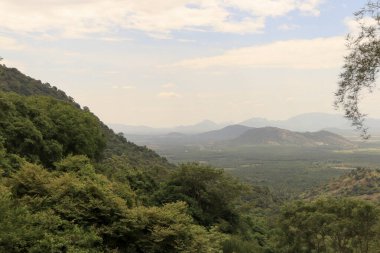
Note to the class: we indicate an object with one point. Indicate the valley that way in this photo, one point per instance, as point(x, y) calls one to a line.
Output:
point(189, 126)
point(289, 163)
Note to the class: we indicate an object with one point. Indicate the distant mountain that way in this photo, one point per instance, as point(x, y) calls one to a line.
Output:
point(316, 121)
point(303, 122)
point(327, 138)
point(206, 125)
point(278, 136)
point(239, 135)
point(311, 122)
point(271, 136)
point(260, 122)
point(143, 130)
point(226, 133)
point(203, 126)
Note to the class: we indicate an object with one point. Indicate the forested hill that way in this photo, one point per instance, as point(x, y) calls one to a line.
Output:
point(12, 80)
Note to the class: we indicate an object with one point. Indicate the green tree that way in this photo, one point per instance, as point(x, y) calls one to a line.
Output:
point(40, 231)
point(328, 225)
point(45, 130)
point(211, 194)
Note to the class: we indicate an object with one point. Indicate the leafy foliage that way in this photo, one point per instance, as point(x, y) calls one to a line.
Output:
point(43, 129)
point(79, 201)
point(211, 194)
point(329, 225)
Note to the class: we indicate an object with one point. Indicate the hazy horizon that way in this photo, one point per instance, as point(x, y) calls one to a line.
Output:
point(168, 63)
point(230, 122)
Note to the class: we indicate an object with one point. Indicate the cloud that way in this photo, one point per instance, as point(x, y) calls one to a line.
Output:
point(288, 27)
point(114, 39)
point(125, 87)
point(10, 44)
point(168, 85)
point(168, 95)
point(79, 18)
point(319, 53)
point(186, 40)
point(128, 87)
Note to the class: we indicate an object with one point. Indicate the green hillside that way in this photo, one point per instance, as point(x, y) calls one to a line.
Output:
point(12, 80)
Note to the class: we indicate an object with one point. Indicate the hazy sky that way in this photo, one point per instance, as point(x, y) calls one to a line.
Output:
point(172, 62)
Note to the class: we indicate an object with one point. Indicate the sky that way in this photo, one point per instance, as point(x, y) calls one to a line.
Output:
point(177, 62)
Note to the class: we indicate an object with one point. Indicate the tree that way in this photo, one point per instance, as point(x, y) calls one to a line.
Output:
point(211, 194)
point(329, 225)
point(361, 65)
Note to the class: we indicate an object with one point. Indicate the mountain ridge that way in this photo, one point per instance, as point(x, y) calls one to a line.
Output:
point(278, 136)
point(314, 121)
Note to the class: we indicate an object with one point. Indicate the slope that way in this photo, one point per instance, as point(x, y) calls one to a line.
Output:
point(359, 183)
point(12, 80)
point(226, 133)
point(278, 136)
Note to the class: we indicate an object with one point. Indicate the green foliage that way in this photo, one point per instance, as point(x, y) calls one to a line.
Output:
point(78, 201)
point(211, 194)
point(8, 162)
point(328, 225)
point(83, 196)
point(166, 229)
point(237, 245)
point(135, 156)
point(42, 231)
point(43, 129)
point(142, 180)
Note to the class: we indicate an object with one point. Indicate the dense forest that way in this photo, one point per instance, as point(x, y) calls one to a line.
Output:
point(70, 184)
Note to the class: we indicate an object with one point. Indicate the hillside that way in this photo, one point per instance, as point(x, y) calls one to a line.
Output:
point(226, 133)
point(203, 126)
point(359, 183)
point(12, 80)
point(278, 136)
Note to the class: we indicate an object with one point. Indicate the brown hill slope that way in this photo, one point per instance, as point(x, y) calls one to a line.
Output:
point(278, 136)
point(359, 183)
